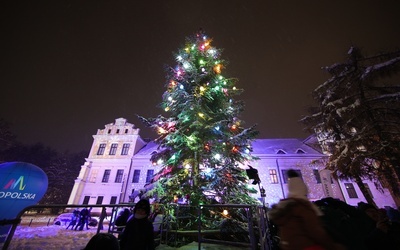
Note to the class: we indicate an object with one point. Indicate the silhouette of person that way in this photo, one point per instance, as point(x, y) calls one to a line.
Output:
point(74, 219)
point(102, 241)
point(298, 220)
point(138, 233)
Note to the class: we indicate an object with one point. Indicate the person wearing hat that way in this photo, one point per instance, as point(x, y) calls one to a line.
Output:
point(297, 219)
point(138, 233)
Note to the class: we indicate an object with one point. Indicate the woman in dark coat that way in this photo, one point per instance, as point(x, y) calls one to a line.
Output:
point(298, 220)
point(138, 233)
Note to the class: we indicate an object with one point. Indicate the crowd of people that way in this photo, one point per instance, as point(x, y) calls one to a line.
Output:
point(326, 224)
point(80, 219)
point(331, 223)
point(135, 230)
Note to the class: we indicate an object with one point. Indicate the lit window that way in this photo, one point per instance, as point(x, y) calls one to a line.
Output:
point(113, 148)
point(274, 176)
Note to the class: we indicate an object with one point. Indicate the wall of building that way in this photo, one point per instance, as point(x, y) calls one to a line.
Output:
point(275, 157)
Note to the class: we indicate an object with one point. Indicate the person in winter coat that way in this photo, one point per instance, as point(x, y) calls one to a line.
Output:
point(121, 220)
point(138, 233)
point(74, 219)
point(297, 219)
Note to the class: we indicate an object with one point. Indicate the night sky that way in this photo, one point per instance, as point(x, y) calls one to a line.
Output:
point(67, 68)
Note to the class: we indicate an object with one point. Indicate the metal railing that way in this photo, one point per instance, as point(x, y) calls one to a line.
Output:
point(262, 243)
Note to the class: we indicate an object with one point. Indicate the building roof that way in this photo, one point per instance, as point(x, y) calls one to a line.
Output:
point(260, 147)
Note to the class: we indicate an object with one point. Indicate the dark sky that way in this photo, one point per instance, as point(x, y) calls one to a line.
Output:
point(67, 68)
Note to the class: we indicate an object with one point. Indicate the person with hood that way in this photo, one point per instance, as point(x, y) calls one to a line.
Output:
point(138, 233)
point(298, 220)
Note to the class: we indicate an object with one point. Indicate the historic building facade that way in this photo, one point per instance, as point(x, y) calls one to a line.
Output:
point(118, 168)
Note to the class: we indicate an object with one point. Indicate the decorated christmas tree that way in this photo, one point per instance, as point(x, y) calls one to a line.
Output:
point(203, 145)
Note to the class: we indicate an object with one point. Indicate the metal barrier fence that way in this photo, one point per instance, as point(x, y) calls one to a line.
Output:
point(263, 242)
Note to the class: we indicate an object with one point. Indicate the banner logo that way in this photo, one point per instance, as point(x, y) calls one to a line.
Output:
point(12, 184)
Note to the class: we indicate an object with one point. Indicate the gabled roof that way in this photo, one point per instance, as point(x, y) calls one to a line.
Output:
point(283, 146)
point(260, 147)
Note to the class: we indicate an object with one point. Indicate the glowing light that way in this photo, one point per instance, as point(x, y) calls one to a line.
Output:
point(160, 161)
point(187, 166)
point(170, 98)
point(225, 212)
point(201, 61)
point(161, 130)
point(235, 149)
point(186, 65)
point(217, 128)
point(216, 88)
point(179, 58)
point(217, 68)
point(172, 83)
point(217, 156)
point(201, 115)
point(181, 86)
point(211, 52)
point(167, 109)
point(234, 88)
point(187, 50)
point(202, 89)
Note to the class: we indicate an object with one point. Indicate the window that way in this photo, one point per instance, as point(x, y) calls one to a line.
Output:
point(149, 176)
point(93, 175)
point(106, 175)
point(368, 190)
point(101, 149)
point(109, 131)
point(274, 176)
point(117, 131)
point(126, 131)
point(125, 149)
point(113, 148)
point(118, 177)
point(280, 152)
point(136, 175)
point(317, 175)
point(99, 200)
point(113, 200)
point(300, 151)
point(86, 200)
point(285, 177)
point(350, 190)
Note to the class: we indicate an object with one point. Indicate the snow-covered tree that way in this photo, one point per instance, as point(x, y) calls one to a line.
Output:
point(357, 119)
point(202, 141)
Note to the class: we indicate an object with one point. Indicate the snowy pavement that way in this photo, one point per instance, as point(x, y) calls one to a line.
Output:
point(57, 237)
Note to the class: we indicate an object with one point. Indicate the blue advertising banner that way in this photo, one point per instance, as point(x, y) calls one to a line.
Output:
point(21, 185)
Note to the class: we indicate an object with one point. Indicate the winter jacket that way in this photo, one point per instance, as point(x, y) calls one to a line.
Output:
point(299, 226)
point(138, 235)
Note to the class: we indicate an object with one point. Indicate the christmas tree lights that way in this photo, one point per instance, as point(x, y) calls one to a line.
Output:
point(202, 140)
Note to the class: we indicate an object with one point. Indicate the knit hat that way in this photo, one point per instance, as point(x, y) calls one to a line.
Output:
point(297, 188)
point(144, 204)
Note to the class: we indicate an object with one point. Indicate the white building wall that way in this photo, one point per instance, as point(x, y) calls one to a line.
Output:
point(275, 156)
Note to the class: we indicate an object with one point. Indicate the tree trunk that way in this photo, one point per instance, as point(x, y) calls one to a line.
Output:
point(364, 191)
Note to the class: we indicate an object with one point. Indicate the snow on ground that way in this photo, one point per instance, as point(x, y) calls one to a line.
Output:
point(43, 235)
point(50, 237)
